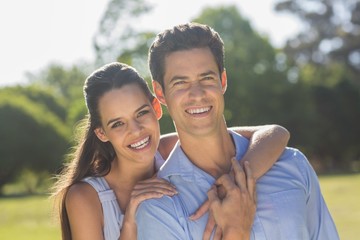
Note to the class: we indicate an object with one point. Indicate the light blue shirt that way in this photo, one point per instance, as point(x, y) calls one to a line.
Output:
point(289, 201)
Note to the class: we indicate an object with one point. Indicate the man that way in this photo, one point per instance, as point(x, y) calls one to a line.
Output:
point(187, 66)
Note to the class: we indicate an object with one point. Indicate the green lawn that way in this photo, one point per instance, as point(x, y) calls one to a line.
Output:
point(342, 195)
point(27, 218)
point(30, 217)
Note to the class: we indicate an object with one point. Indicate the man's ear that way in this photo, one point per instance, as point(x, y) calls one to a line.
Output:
point(100, 133)
point(223, 81)
point(159, 93)
point(157, 108)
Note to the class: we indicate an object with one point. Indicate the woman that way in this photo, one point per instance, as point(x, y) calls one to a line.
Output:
point(112, 168)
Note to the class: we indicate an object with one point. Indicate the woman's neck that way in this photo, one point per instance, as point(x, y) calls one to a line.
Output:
point(123, 177)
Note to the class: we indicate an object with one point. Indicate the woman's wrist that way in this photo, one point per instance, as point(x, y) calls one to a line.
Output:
point(235, 234)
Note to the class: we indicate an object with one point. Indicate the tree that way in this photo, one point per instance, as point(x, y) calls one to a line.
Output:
point(32, 137)
point(327, 55)
point(255, 80)
point(66, 85)
point(116, 32)
point(331, 33)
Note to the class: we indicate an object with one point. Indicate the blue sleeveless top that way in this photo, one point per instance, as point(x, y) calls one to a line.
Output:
point(113, 217)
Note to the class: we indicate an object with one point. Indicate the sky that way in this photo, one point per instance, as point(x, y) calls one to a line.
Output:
point(35, 33)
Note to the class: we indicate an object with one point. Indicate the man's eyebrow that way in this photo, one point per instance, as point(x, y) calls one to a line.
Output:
point(210, 72)
point(179, 77)
point(137, 110)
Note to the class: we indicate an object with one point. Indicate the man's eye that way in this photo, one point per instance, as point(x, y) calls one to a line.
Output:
point(117, 124)
point(179, 82)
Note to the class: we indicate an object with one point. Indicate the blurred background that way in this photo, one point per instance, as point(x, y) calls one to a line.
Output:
point(295, 63)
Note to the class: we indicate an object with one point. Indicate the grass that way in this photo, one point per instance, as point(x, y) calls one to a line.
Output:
point(342, 196)
point(27, 218)
point(30, 217)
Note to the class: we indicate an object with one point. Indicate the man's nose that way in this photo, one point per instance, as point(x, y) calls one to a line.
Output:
point(196, 90)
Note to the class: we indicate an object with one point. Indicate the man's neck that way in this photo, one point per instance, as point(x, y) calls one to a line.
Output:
point(211, 153)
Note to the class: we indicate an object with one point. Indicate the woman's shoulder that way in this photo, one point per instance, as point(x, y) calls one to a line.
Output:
point(81, 194)
point(84, 209)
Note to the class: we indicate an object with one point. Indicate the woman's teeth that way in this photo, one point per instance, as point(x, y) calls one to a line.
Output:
point(140, 144)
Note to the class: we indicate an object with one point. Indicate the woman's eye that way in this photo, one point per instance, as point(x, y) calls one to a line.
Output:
point(117, 124)
point(208, 78)
point(143, 112)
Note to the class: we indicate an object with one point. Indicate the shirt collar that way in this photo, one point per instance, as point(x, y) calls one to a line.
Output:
point(179, 164)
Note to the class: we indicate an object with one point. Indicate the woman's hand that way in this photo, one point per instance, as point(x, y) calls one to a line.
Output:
point(150, 188)
point(147, 189)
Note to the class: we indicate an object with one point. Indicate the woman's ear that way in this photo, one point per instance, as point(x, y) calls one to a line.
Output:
point(157, 108)
point(100, 133)
point(159, 93)
point(223, 81)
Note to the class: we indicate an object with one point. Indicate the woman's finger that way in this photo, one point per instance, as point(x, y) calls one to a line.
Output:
point(240, 176)
point(155, 183)
point(200, 211)
point(250, 180)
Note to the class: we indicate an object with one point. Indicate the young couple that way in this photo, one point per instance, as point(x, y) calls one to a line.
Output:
point(109, 189)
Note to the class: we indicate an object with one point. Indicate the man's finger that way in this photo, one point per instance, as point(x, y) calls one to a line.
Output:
point(209, 228)
point(218, 233)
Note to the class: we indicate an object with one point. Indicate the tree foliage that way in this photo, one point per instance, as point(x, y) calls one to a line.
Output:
point(66, 85)
point(33, 137)
point(116, 32)
point(311, 86)
point(327, 54)
point(331, 33)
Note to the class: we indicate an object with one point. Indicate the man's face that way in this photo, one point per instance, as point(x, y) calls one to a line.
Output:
point(193, 91)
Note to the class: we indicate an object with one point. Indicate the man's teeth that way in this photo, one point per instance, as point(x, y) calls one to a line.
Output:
point(141, 144)
point(198, 110)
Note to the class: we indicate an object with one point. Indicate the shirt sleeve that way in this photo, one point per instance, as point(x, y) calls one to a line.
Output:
point(319, 221)
point(158, 219)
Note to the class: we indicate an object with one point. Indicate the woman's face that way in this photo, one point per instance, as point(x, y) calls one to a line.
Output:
point(129, 123)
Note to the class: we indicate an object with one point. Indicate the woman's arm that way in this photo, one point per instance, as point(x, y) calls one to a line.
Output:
point(267, 142)
point(84, 212)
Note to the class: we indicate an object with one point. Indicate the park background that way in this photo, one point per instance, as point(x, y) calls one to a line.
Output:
point(302, 72)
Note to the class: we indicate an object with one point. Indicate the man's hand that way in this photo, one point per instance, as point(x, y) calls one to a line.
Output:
point(234, 211)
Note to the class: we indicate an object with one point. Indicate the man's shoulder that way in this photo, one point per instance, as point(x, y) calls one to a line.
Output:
point(156, 208)
point(176, 164)
point(292, 164)
point(294, 156)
